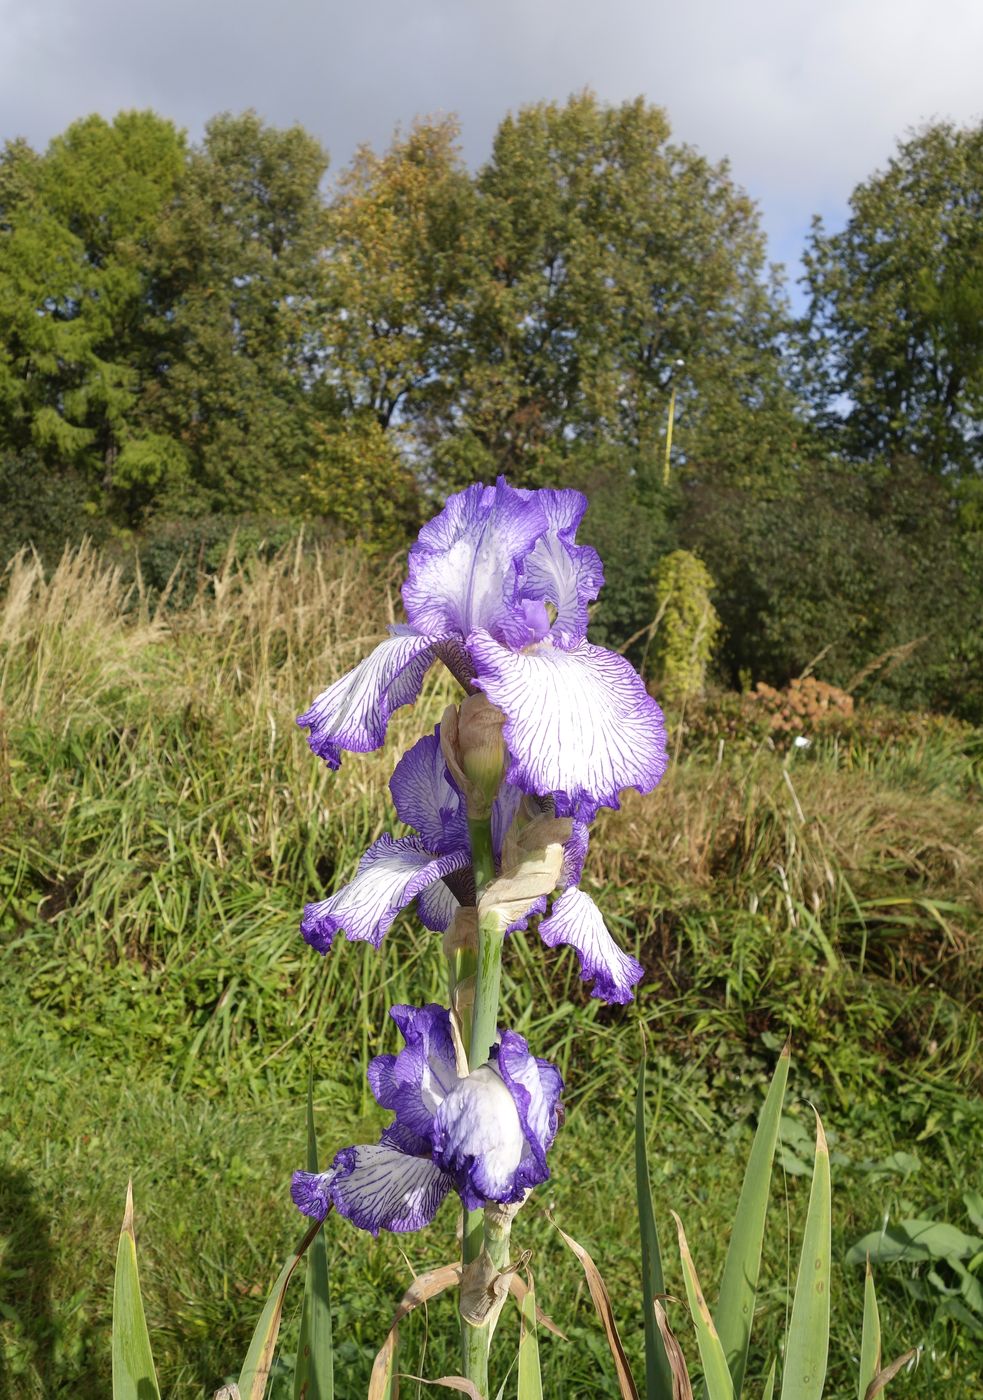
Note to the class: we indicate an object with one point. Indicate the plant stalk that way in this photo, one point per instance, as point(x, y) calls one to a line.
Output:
point(475, 1341)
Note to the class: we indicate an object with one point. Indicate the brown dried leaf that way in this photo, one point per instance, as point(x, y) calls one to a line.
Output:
point(519, 1288)
point(458, 1383)
point(681, 1387)
point(602, 1304)
point(421, 1290)
point(888, 1374)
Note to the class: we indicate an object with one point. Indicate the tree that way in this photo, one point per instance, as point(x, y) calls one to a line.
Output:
point(237, 261)
point(400, 264)
point(614, 268)
point(893, 339)
point(77, 227)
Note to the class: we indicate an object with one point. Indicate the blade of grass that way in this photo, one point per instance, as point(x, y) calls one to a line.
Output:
point(314, 1371)
point(807, 1347)
point(769, 1389)
point(870, 1342)
point(134, 1377)
point(734, 1312)
point(658, 1371)
point(716, 1372)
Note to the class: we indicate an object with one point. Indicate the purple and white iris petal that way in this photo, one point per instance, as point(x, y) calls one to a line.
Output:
point(427, 799)
point(558, 571)
point(576, 921)
point(416, 1082)
point(437, 905)
point(311, 1192)
point(478, 1139)
point(379, 1187)
point(574, 855)
point(389, 877)
point(463, 568)
point(354, 712)
point(503, 814)
point(535, 1086)
point(580, 723)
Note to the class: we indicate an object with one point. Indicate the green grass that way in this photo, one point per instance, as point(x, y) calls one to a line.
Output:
point(161, 824)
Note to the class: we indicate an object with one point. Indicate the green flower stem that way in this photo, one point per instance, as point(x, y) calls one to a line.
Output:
point(475, 1341)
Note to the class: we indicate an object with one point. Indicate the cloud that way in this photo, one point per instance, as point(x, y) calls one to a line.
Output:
point(804, 99)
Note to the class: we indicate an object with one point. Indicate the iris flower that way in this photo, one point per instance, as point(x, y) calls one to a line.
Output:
point(434, 867)
point(485, 1134)
point(499, 589)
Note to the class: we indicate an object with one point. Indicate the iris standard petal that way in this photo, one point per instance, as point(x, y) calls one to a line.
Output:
point(427, 799)
point(560, 572)
point(463, 568)
point(576, 921)
point(414, 1083)
point(579, 722)
point(478, 1139)
point(379, 1187)
point(390, 875)
point(353, 713)
point(535, 1086)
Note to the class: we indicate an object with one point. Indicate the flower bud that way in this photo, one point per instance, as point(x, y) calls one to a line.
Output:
point(474, 751)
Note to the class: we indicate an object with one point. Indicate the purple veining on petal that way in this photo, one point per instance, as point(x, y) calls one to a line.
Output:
point(574, 855)
point(558, 571)
point(463, 568)
point(437, 905)
point(389, 877)
point(576, 921)
point(427, 798)
point(536, 1086)
point(380, 1187)
point(414, 1083)
point(354, 712)
point(580, 723)
point(311, 1192)
point(504, 810)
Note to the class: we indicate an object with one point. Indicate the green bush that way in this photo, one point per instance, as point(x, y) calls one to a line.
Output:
point(41, 508)
point(863, 573)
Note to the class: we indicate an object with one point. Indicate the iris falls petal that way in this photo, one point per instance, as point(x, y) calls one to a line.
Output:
point(353, 713)
point(379, 1187)
point(389, 877)
point(580, 722)
point(576, 921)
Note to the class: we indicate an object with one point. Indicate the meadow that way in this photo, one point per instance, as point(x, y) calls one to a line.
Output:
point(161, 824)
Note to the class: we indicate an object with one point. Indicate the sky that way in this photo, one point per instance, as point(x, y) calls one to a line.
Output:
point(805, 98)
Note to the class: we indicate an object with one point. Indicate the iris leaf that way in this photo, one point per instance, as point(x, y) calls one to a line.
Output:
point(134, 1377)
point(658, 1372)
point(807, 1346)
point(530, 1380)
point(716, 1372)
point(870, 1342)
point(734, 1312)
